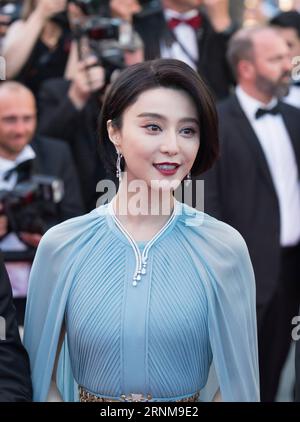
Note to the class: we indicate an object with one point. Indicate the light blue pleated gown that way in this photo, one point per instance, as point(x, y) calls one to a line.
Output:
point(151, 329)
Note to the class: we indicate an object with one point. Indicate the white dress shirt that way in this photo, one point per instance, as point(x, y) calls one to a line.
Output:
point(18, 271)
point(186, 35)
point(27, 153)
point(279, 153)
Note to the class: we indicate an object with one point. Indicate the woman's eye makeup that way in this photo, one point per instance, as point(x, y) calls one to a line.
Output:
point(189, 131)
point(155, 128)
point(152, 127)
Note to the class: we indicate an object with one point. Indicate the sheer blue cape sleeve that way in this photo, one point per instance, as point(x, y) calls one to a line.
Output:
point(59, 256)
point(228, 277)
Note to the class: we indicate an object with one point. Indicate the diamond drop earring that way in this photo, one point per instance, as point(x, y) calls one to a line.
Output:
point(118, 165)
point(188, 178)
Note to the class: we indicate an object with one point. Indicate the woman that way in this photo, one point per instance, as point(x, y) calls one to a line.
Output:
point(146, 291)
point(37, 46)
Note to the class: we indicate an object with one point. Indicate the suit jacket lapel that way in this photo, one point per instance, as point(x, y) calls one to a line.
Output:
point(36, 166)
point(249, 136)
point(203, 34)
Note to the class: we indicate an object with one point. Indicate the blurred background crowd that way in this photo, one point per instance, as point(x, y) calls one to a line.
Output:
point(59, 58)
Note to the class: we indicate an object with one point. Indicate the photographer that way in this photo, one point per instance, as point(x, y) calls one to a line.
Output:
point(69, 107)
point(69, 110)
point(24, 156)
point(37, 46)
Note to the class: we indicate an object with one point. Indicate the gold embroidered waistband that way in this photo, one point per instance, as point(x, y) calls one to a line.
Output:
point(86, 396)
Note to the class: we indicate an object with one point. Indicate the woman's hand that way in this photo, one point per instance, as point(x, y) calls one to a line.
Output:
point(124, 9)
point(48, 8)
point(75, 14)
point(218, 13)
point(217, 396)
point(89, 78)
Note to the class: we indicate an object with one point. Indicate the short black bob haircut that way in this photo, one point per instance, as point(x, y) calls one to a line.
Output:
point(167, 73)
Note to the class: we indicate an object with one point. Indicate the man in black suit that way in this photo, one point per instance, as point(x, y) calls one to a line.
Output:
point(15, 383)
point(255, 187)
point(22, 156)
point(180, 30)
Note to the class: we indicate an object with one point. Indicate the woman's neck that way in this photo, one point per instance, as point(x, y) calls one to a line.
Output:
point(51, 34)
point(143, 215)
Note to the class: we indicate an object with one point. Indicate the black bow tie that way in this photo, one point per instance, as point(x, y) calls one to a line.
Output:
point(23, 171)
point(263, 111)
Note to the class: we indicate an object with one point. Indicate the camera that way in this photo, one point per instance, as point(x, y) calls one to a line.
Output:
point(33, 206)
point(107, 37)
point(97, 26)
point(103, 37)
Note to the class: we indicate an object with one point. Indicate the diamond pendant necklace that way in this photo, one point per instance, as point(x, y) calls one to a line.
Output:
point(141, 259)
